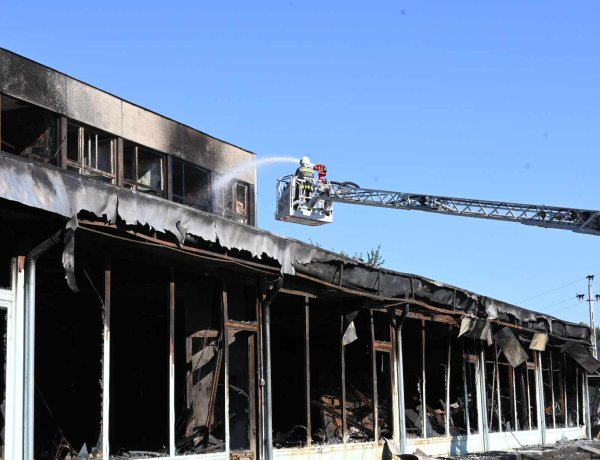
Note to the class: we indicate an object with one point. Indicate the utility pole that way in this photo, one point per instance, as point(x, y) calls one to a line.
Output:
point(592, 322)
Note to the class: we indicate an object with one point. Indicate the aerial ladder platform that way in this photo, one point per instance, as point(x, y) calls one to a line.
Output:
point(312, 204)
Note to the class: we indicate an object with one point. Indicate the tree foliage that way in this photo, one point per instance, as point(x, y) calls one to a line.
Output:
point(373, 257)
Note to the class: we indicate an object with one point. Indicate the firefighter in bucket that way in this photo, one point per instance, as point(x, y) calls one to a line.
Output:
point(305, 178)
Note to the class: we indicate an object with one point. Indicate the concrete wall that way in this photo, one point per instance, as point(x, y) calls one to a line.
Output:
point(433, 446)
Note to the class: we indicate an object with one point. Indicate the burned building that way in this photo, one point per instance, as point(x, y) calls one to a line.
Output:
point(145, 315)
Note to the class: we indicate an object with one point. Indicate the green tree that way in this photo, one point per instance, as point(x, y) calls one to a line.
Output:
point(373, 257)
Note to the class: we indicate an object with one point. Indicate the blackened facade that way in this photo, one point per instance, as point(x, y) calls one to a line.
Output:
point(183, 331)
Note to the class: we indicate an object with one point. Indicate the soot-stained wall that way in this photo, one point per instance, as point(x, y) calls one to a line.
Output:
point(39, 85)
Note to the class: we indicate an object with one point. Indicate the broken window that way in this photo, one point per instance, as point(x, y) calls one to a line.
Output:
point(139, 360)
point(510, 391)
point(236, 200)
point(492, 392)
point(191, 185)
point(288, 366)
point(384, 394)
point(381, 325)
point(469, 351)
point(28, 131)
point(242, 390)
point(548, 392)
point(461, 386)
point(68, 359)
point(501, 385)
point(90, 152)
point(581, 397)
point(358, 376)
point(439, 380)
point(531, 384)
point(413, 359)
point(505, 385)
point(560, 404)
point(240, 365)
point(143, 169)
point(242, 301)
point(326, 374)
point(382, 373)
point(556, 395)
point(562, 377)
point(524, 400)
point(199, 366)
point(572, 379)
point(437, 349)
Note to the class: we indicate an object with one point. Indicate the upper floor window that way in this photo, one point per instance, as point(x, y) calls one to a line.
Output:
point(91, 152)
point(28, 131)
point(236, 200)
point(41, 135)
point(143, 170)
point(191, 185)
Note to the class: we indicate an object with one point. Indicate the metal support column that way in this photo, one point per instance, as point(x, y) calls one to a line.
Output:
point(260, 371)
point(267, 389)
point(552, 389)
point(172, 421)
point(513, 398)
point(374, 380)
point(539, 395)
point(577, 422)
point(394, 376)
point(448, 376)
point(225, 317)
point(528, 395)
point(106, 360)
point(482, 406)
point(307, 370)
point(29, 350)
point(400, 382)
point(586, 405)
point(15, 326)
point(498, 395)
point(465, 390)
point(343, 376)
point(423, 384)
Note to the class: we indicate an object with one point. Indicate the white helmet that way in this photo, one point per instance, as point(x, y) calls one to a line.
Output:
point(305, 161)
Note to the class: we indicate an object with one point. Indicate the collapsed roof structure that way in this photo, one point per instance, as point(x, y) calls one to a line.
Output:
point(184, 331)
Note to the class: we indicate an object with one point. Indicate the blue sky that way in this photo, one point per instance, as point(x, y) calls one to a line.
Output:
point(491, 100)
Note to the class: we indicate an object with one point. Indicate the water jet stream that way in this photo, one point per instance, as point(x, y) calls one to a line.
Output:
point(227, 178)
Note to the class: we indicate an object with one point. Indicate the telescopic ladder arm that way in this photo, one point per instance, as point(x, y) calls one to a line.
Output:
point(577, 220)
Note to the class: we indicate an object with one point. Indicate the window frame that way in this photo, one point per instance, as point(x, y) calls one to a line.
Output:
point(134, 184)
point(80, 164)
point(180, 198)
point(50, 135)
point(230, 201)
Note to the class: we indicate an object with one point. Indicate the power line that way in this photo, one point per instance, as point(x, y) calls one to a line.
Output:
point(557, 310)
point(557, 303)
point(552, 290)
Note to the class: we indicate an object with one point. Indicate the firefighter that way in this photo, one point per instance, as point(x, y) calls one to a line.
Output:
point(305, 177)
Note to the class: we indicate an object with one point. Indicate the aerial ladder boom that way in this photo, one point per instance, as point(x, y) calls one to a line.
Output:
point(316, 207)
